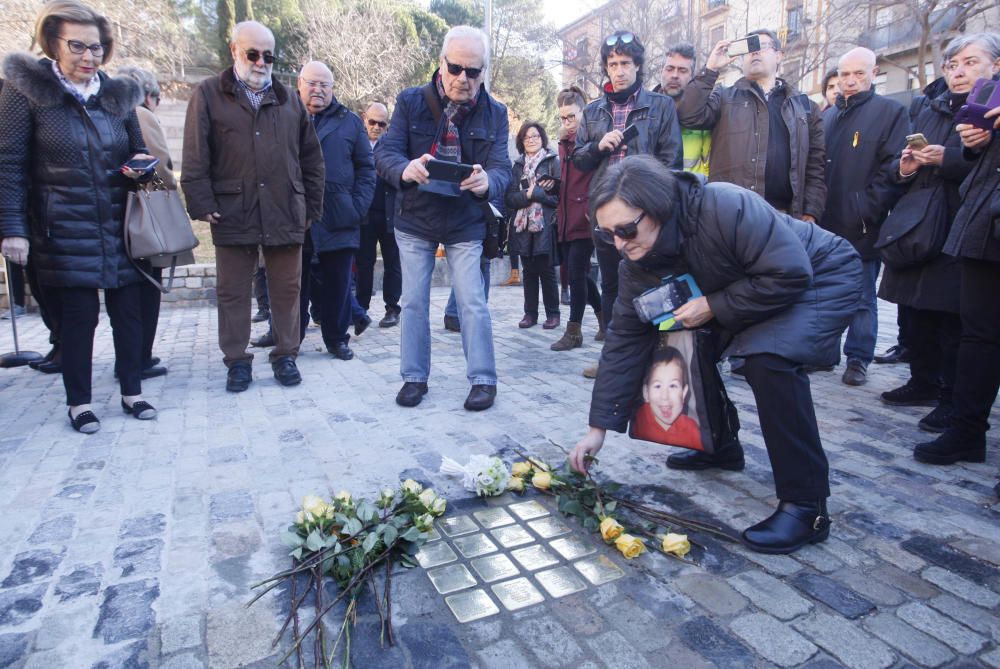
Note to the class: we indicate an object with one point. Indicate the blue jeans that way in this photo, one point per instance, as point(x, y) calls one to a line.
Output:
point(416, 258)
point(863, 330)
point(451, 309)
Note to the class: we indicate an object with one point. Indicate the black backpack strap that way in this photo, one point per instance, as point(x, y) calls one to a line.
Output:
point(433, 103)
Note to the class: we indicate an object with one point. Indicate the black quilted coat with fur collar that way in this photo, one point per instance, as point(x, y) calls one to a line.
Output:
point(60, 183)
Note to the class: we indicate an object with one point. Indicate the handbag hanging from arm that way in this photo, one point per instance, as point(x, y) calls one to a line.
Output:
point(157, 226)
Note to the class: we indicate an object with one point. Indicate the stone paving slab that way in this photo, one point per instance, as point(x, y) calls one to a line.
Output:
point(137, 546)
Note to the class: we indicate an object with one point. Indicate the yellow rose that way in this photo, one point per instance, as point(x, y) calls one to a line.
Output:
point(542, 480)
point(300, 518)
point(515, 484)
point(539, 466)
point(412, 487)
point(611, 529)
point(344, 496)
point(677, 544)
point(520, 468)
point(630, 546)
point(314, 505)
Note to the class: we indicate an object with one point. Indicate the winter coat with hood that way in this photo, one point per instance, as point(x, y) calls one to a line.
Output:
point(60, 180)
point(775, 285)
point(936, 284)
point(526, 243)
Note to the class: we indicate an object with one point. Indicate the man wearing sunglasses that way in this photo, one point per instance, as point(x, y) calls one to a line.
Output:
point(601, 141)
point(253, 168)
point(452, 118)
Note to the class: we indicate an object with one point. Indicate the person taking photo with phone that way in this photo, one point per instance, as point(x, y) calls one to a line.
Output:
point(626, 120)
point(63, 201)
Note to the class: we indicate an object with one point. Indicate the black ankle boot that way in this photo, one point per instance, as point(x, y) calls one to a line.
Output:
point(788, 529)
point(729, 457)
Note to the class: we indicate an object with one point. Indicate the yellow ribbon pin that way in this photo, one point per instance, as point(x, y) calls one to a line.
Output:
point(857, 137)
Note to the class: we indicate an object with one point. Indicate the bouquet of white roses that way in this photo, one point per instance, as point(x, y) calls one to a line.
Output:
point(485, 475)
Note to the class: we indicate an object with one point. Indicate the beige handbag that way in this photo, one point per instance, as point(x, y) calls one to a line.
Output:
point(157, 228)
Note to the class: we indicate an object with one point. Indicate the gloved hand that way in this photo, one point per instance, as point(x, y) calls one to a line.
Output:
point(16, 249)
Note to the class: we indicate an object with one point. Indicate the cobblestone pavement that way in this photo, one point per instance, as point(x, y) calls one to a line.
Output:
point(137, 546)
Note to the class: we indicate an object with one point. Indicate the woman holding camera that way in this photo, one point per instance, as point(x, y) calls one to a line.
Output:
point(777, 291)
point(531, 200)
point(68, 132)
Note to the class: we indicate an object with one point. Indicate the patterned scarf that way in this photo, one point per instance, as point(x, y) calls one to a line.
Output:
point(81, 92)
point(448, 145)
point(531, 217)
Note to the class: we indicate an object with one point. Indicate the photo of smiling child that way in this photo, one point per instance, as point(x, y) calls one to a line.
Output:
point(668, 414)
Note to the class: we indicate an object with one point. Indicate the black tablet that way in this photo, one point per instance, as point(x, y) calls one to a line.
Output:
point(445, 170)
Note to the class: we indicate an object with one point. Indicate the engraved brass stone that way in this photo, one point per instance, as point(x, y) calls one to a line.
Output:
point(549, 527)
point(452, 578)
point(432, 555)
point(598, 569)
point(513, 535)
point(494, 567)
point(457, 526)
point(495, 517)
point(472, 605)
point(572, 548)
point(534, 557)
point(528, 510)
point(560, 581)
point(474, 545)
point(517, 594)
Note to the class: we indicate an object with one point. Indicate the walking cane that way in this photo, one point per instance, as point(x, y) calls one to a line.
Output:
point(18, 358)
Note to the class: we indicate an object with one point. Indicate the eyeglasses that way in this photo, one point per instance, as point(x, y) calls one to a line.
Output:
point(568, 118)
point(626, 232)
point(78, 47)
point(531, 137)
point(455, 70)
point(253, 56)
point(382, 124)
point(321, 85)
point(619, 38)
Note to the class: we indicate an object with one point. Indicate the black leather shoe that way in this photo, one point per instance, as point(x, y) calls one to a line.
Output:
point(342, 351)
point(390, 319)
point(452, 324)
point(481, 397)
point(53, 366)
point(285, 371)
point(893, 355)
point(937, 420)
point(266, 340)
point(53, 352)
point(411, 394)
point(362, 324)
point(729, 458)
point(239, 377)
point(141, 409)
point(949, 449)
point(261, 316)
point(788, 529)
point(153, 372)
point(86, 422)
point(911, 395)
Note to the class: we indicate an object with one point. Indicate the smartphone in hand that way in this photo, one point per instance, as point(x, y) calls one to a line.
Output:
point(744, 46)
point(629, 134)
point(916, 141)
point(143, 165)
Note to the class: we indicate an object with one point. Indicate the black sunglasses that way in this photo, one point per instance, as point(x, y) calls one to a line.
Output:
point(626, 232)
point(455, 70)
point(381, 124)
point(253, 56)
point(619, 38)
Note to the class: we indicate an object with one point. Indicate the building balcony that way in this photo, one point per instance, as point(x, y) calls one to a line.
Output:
point(904, 35)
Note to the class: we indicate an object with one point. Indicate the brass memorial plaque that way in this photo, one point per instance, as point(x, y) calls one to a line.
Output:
point(491, 518)
point(432, 555)
point(473, 605)
point(474, 545)
point(534, 557)
point(560, 581)
point(494, 567)
point(433, 535)
point(517, 594)
point(549, 527)
point(452, 578)
point(457, 526)
point(528, 510)
point(598, 569)
point(513, 535)
point(572, 548)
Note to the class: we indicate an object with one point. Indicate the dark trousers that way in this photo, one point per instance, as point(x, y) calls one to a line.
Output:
point(260, 288)
point(788, 424)
point(582, 289)
point(608, 259)
point(934, 337)
point(149, 304)
point(537, 270)
point(334, 300)
point(15, 283)
point(904, 336)
point(49, 304)
point(515, 262)
point(978, 376)
point(376, 232)
point(80, 310)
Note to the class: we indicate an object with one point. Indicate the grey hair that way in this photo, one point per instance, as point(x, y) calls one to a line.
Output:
point(243, 25)
point(469, 33)
point(147, 80)
point(989, 41)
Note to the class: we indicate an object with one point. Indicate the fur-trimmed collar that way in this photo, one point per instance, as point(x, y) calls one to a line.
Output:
point(34, 79)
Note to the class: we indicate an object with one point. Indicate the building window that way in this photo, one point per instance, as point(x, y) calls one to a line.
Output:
point(714, 4)
point(794, 24)
point(716, 34)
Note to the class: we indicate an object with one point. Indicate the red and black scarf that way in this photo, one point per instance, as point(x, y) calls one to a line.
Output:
point(448, 145)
